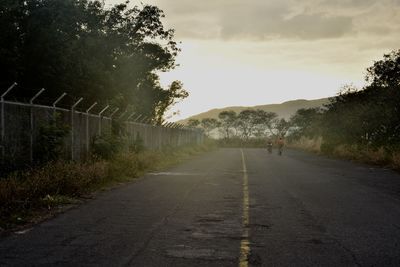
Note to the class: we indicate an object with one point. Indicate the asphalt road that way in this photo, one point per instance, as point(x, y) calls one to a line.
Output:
point(228, 208)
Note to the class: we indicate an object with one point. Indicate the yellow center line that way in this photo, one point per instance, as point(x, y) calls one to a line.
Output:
point(245, 243)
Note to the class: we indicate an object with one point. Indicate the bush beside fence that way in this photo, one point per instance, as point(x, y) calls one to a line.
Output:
point(23, 127)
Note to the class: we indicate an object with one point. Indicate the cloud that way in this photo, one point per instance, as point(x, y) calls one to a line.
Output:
point(265, 51)
point(303, 26)
point(285, 19)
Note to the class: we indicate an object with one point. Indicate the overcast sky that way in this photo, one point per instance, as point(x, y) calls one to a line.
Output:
point(254, 52)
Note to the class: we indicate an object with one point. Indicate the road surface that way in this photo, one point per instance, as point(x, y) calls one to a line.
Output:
point(230, 207)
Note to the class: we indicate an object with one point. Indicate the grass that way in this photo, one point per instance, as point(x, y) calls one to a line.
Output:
point(396, 160)
point(312, 145)
point(377, 156)
point(28, 196)
point(235, 142)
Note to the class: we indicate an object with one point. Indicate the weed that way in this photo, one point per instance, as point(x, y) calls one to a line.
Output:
point(23, 193)
point(50, 140)
point(106, 146)
point(396, 160)
point(308, 144)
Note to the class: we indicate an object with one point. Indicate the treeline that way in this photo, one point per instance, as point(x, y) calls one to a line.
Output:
point(250, 127)
point(358, 120)
point(81, 47)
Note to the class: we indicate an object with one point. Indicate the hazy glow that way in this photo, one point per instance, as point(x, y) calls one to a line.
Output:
point(256, 52)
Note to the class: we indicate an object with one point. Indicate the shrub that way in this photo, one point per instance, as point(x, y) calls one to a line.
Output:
point(50, 141)
point(106, 146)
point(396, 160)
point(24, 190)
point(138, 145)
point(60, 182)
point(328, 148)
point(309, 144)
point(376, 156)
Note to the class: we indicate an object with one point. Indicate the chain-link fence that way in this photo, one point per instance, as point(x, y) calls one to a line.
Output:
point(23, 124)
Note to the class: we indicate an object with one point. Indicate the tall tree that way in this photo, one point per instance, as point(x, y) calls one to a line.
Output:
point(306, 122)
point(193, 123)
point(385, 72)
point(86, 50)
point(263, 122)
point(254, 122)
point(209, 124)
point(279, 127)
point(247, 122)
point(228, 121)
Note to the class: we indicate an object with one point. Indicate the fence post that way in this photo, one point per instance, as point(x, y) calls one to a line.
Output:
point(128, 127)
point(32, 126)
point(55, 103)
point(113, 113)
point(3, 149)
point(122, 114)
point(143, 119)
point(100, 113)
point(72, 126)
point(160, 135)
point(130, 116)
point(87, 128)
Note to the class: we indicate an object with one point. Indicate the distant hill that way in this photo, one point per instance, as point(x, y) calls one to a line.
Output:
point(284, 110)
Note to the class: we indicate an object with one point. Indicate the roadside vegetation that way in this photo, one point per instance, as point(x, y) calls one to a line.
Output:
point(359, 123)
point(109, 54)
point(31, 195)
point(249, 128)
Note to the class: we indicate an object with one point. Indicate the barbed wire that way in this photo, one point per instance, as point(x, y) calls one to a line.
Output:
point(71, 99)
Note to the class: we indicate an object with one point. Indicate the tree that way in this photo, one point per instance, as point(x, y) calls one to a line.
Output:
point(247, 122)
point(254, 122)
point(279, 127)
point(86, 50)
point(385, 72)
point(167, 98)
point(306, 122)
point(263, 122)
point(193, 123)
point(366, 117)
point(228, 120)
point(209, 124)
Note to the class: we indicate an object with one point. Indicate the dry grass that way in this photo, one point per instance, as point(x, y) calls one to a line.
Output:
point(47, 186)
point(22, 194)
point(308, 144)
point(396, 160)
point(372, 156)
point(377, 156)
point(347, 152)
point(362, 154)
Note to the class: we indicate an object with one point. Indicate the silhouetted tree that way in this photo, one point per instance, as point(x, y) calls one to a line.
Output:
point(209, 124)
point(228, 121)
point(193, 123)
point(306, 122)
point(279, 127)
point(84, 49)
point(360, 118)
point(247, 120)
point(385, 72)
point(263, 122)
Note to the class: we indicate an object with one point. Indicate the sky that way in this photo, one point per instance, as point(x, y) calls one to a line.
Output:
point(256, 52)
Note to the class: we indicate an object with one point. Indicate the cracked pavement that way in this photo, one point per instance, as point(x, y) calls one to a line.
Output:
point(304, 210)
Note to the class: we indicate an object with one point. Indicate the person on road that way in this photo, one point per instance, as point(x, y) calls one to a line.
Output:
point(280, 144)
